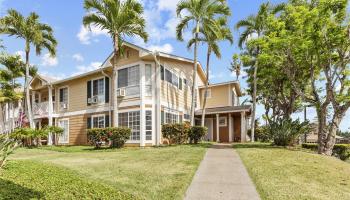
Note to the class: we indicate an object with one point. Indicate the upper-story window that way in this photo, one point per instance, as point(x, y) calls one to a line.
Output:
point(170, 77)
point(63, 98)
point(129, 78)
point(148, 80)
point(98, 91)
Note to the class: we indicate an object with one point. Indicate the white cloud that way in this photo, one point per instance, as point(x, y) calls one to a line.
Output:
point(166, 48)
point(168, 5)
point(20, 53)
point(85, 35)
point(48, 60)
point(78, 57)
point(86, 68)
point(57, 76)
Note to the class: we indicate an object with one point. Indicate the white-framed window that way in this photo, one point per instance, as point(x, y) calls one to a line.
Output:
point(63, 94)
point(170, 116)
point(98, 89)
point(98, 121)
point(170, 77)
point(222, 121)
point(64, 138)
point(148, 120)
point(129, 78)
point(131, 120)
point(148, 80)
point(187, 117)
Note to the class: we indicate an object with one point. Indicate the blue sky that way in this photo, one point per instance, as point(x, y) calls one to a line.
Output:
point(80, 50)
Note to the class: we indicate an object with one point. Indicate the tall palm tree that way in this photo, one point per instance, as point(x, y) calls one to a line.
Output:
point(254, 27)
point(211, 35)
point(34, 33)
point(120, 18)
point(13, 68)
point(201, 13)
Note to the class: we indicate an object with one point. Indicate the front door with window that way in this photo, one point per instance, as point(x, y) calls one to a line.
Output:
point(64, 138)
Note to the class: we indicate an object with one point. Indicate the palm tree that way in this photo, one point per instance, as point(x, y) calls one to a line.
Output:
point(211, 35)
point(254, 27)
point(33, 33)
point(202, 13)
point(13, 69)
point(119, 18)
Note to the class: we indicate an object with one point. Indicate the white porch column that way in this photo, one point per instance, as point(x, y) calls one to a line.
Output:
point(33, 98)
point(157, 104)
point(49, 142)
point(142, 111)
point(217, 128)
point(243, 126)
point(115, 98)
point(229, 127)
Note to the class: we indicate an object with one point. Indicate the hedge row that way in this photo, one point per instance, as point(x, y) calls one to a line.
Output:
point(181, 133)
point(114, 136)
point(342, 151)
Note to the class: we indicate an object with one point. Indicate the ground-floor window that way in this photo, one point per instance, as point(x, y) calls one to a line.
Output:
point(171, 117)
point(148, 125)
point(132, 121)
point(64, 138)
point(98, 121)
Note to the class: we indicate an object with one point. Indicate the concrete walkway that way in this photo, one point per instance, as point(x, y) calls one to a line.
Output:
point(221, 175)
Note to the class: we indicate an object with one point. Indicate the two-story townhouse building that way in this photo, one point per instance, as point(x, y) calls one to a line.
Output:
point(144, 90)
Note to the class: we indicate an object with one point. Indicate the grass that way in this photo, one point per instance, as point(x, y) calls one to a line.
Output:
point(34, 180)
point(150, 173)
point(284, 174)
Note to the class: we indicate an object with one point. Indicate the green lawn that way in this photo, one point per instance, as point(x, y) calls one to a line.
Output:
point(284, 174)
point(150, 173)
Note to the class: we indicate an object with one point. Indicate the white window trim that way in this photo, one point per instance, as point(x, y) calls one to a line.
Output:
point(172, 72)
point(59, 105)
point(139, 64)
point(68, 134)
point(104, 88)
point(152, 120)
point(225, 124)
point(132, 110)
point(98, 115)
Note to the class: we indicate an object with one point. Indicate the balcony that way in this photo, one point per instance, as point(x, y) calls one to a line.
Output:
point(41, 109)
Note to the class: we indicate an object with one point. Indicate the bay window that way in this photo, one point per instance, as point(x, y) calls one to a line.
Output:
point(131, 120)
point(129, 78)
point(148, 125)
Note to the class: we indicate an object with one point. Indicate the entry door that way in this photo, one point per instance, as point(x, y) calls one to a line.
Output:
point(64, 138)
point(209, 124)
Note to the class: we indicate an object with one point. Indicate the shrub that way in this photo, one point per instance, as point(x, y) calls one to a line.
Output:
point(284, 132)
point(261, 134)
point(7, 146)
point(176, 133)
point(28, 136)
point(196, 133)
point(341, 151)
point(118, 136)
point(97, 136)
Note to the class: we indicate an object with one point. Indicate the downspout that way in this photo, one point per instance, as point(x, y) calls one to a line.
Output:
point(110, 95)
point(158, 107)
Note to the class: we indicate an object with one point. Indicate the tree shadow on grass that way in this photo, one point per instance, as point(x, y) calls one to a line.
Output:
point(11, 190)
point(254, 145)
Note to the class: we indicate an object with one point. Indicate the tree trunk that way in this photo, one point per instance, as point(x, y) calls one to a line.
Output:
point(115, 48)
point(254, 101)
point(194, 78)
point(206, 87)
point(26, 83)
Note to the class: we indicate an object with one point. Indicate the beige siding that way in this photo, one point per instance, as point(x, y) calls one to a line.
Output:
point(220, 96)
point(173, 96)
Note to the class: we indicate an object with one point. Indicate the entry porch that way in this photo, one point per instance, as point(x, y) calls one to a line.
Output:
point(226, 124)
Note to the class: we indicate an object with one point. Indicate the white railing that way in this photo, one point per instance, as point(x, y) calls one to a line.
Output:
point(41, 108)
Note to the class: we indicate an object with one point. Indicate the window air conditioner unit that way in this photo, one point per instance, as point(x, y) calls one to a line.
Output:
point(121, 92)
point(64, 105)
point(93, 100)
